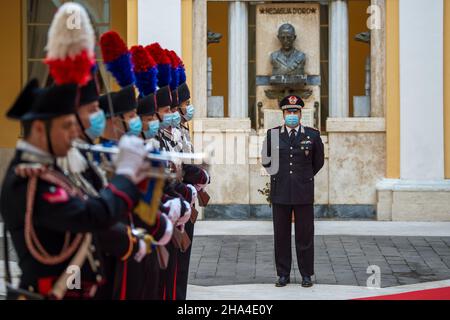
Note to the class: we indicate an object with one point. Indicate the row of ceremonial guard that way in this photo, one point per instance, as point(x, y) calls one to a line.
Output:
point(99, 199)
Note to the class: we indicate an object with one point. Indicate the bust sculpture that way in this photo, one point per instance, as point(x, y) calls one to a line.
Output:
point(288, 60)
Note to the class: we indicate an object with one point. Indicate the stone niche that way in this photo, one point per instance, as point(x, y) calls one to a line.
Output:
point(356, 164)
point(305, 17)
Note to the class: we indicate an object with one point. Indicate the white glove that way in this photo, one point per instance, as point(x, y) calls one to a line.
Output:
point(201, 187)
point(175, 209)
point(187, 215)
point(143, 172)
point(167, 234)
point(131, 157)
point(141, 252)
point(194, 193)
point(149, 146)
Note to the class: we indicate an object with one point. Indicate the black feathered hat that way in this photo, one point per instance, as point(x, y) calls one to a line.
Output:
point(122, 101)
point(52, 102)
point(163, 97)
point(175, 101)
point(89, 93)
point(25, 100)
point(183, 93)
point(147, 105)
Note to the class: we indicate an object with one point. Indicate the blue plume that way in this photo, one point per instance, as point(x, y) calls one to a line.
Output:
point(146, 81)
point(164, 75)
point(122, 70)
point(181, 75)
point(174, 75)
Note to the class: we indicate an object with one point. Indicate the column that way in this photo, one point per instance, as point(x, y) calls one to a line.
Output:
point(199, 59)
point(421, 90)
point(238, 60)
point(378, 60)
point(338, 59)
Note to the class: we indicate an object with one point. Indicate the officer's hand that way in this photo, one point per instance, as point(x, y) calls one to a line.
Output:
point(130, 159)
point(143, 172)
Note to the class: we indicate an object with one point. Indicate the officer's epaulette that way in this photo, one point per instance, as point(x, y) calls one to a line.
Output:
point(312, 128)
point(277, 127)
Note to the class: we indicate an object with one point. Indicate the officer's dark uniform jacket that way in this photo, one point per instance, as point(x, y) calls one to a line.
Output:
point(56, 212)
point(298, 163)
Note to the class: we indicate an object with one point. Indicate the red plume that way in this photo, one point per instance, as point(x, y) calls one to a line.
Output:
point(112, 46)
point(71, 70)
point(142, 61)
point(174, 62)
point(158, 53)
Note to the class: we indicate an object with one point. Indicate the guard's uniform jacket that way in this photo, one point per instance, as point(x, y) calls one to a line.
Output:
point(174, 287)
point(193, 175)
point(127, 278)
point(298, 163)
point(172, 189)
point(187, 146)
point(58, 215)
point(117, 243)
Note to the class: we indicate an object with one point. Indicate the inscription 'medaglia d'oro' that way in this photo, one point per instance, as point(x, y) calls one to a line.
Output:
point(288, 10)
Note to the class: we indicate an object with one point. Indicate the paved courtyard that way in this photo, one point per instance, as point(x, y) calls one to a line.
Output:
point(341, 260)
point(235, 260)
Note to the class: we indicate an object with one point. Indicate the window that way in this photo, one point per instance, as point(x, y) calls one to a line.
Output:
point(39, 14)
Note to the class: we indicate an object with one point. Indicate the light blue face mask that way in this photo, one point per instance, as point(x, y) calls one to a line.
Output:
point(291, 120)
point(153, 127)
point(190, 110)
point(167, 121)
point(97, 121)
point(135, 126)
point(176, 119)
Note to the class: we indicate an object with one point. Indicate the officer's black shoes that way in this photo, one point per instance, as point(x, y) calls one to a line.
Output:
point(282, 281)
point(306, 282)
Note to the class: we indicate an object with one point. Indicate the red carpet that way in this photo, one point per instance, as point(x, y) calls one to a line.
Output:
point(429, 294)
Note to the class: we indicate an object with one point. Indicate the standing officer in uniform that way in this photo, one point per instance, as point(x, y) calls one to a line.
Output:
point(300, 156)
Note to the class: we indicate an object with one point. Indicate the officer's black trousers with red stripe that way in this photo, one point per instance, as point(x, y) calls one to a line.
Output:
point(304, 238)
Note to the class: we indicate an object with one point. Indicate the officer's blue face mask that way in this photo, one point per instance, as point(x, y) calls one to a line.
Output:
point(167, 121)
point(153, 127)
point(135, 126)
point(292, 120)
point(97, 121)
point(176, 119)
point(190, 110)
